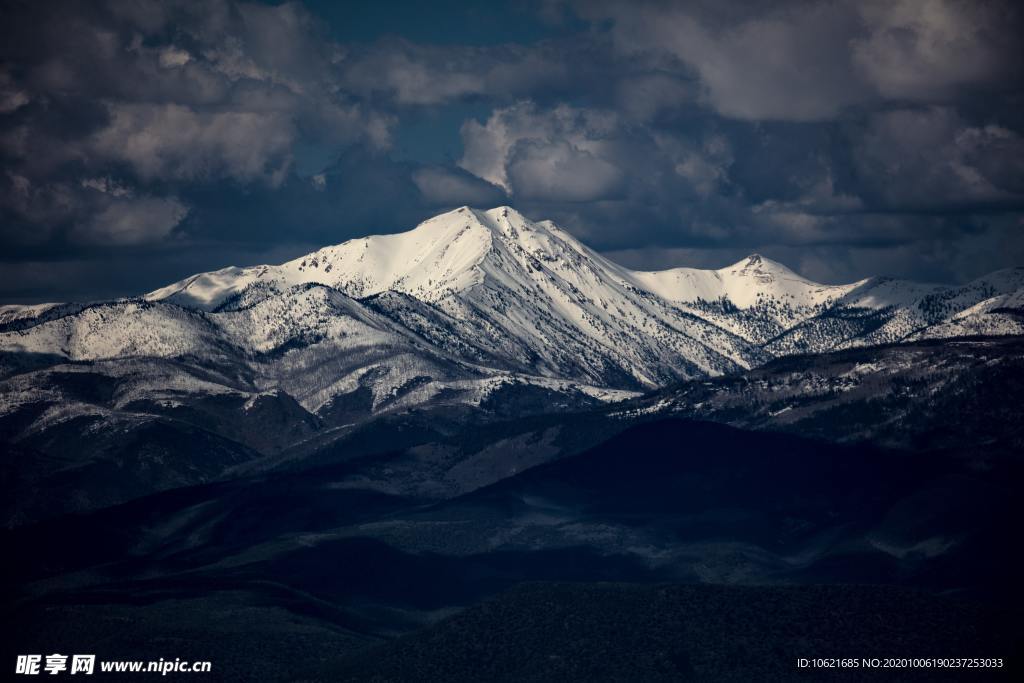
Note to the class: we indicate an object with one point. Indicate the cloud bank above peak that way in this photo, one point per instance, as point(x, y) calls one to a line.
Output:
point(844, 136)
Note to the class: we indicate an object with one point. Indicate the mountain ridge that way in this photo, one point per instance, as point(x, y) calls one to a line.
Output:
point(479, 231)
point(472, 318)
point(507, 293)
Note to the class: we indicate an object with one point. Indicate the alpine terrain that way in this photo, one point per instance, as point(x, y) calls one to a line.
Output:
point(481, 313)
point(479, 446)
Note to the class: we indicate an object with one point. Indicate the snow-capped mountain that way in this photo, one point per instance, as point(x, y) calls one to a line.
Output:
point(525, 296)
point(466, 310)
point(472, 315)
point(480, 292)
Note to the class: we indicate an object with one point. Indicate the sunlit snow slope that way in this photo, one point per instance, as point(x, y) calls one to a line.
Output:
point(484, 296)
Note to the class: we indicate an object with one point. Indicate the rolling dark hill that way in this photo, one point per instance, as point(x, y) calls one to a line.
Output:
point(321, 563)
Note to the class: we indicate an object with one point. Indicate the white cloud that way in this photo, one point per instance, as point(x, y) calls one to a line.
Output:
point(172, 141)
point(541, 150)
point(705, 166)
point(918, 49)
point(125, 221)
point(107, 185)
point(410, 79)
point(559, 170)
point(171, 57)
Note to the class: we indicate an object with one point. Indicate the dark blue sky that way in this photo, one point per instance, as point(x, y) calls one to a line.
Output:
point(442, 22)
point(143, 141)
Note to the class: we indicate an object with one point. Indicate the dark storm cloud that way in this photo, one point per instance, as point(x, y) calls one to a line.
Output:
point(811, 60)
point(840, 137)
point(156, 95)
point(886, 180)
point(405, 73)
point(931, 157)
point(835, 127)
point(440, 186)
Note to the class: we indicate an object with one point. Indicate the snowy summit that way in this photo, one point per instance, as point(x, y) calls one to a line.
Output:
point(471, 299)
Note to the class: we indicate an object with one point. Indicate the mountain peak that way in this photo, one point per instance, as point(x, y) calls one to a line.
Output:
point(502, 218)
point(459, 249)
point(530, 297)
point(757, 264)
point(504, 212)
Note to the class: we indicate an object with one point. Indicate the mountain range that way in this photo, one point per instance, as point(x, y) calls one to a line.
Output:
point(469, 296)
point(476, 315)
point(479, 447)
